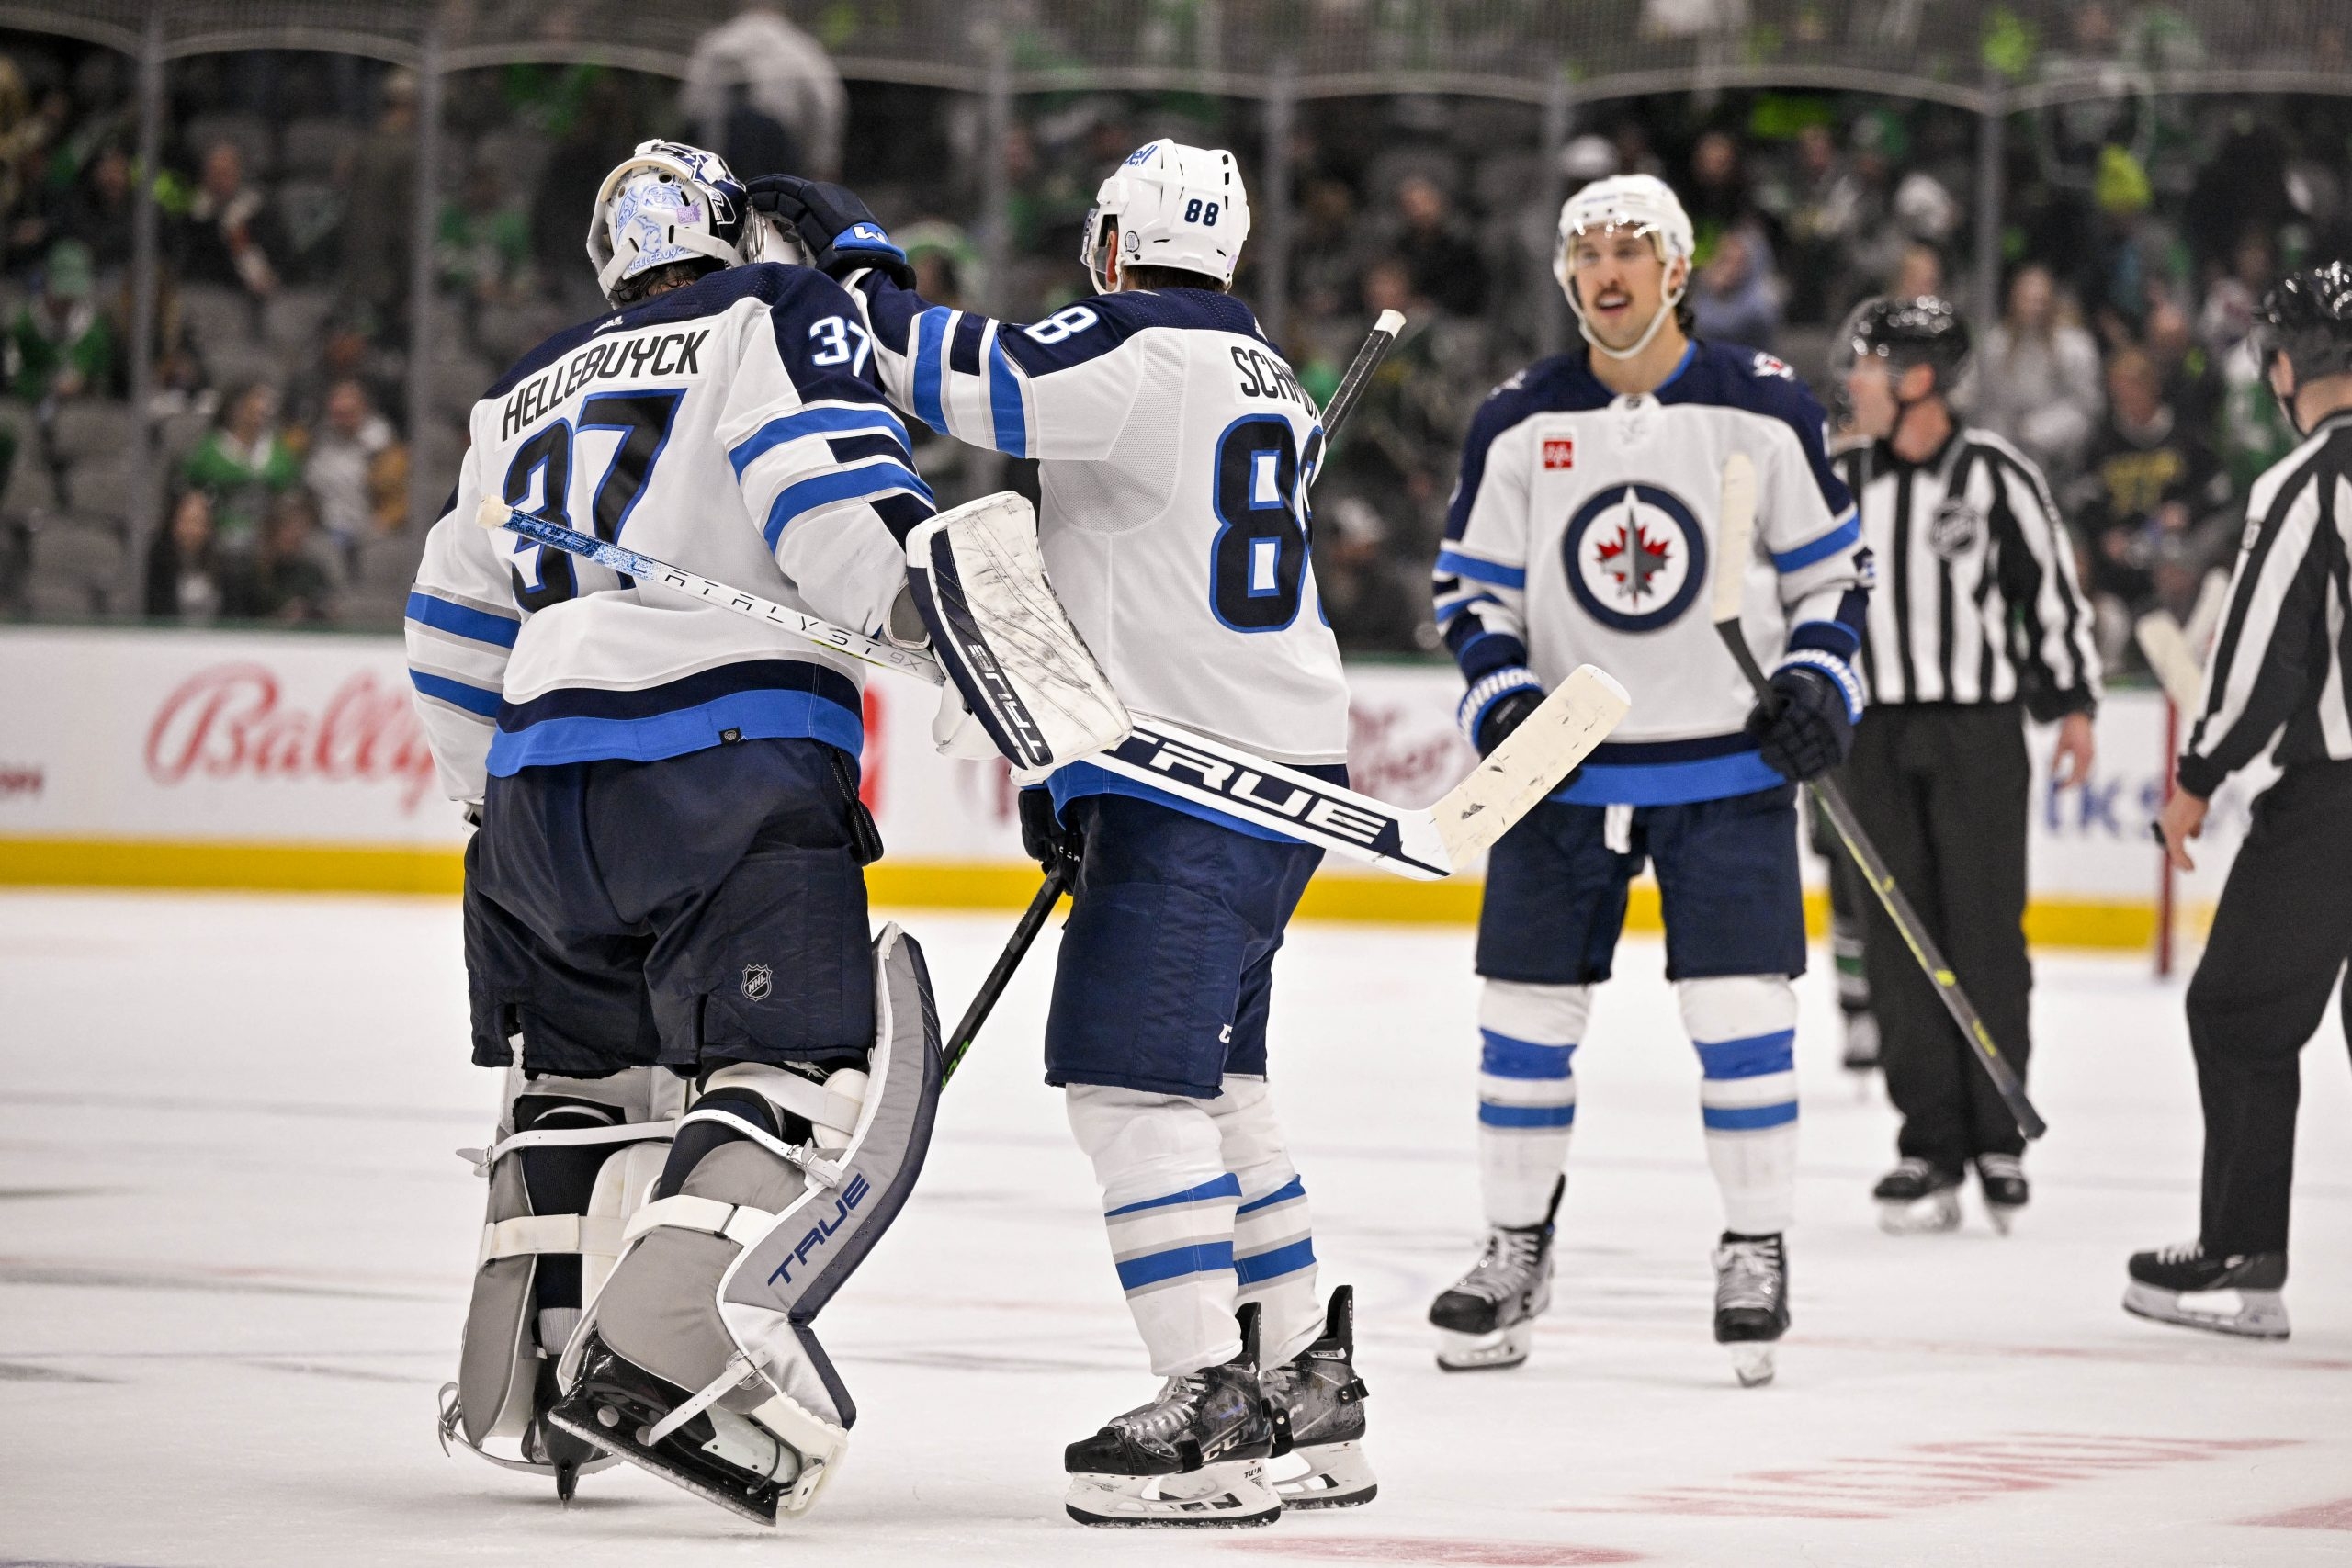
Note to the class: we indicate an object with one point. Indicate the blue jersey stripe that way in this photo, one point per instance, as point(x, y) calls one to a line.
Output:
point(931, 365)
point(813, 422)
point(1281, 1260)
point(1227, 1186)
point(1493, 1115)
point(1752, 1058)
point(461, 620)
point(1294, 1188)
point(1670, 784)
point(1005, 404)
point(1845, 536)
point(1205, 1257)
point(1460, 565)
point(761, 714)
point(1504, 1057)
point(842, 484)
point(473, 699)
point(1748, 1118)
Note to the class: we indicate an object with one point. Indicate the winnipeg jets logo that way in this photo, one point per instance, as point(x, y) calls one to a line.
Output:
point(1635, 557)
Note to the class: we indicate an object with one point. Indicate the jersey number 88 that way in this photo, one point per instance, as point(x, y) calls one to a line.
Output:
point(1258, 560)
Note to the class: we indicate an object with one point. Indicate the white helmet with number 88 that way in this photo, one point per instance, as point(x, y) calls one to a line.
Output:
point(1175, 207)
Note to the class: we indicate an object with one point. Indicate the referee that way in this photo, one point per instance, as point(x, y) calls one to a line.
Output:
point(2279, 675)
point(1976, 614)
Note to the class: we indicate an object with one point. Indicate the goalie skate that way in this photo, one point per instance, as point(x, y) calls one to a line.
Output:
point(1317, 1403)
point(1194, 1456)
point(1486, 1318)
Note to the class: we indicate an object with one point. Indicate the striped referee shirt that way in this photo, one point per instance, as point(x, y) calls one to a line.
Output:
point(2283, 661)
point(1976, 599)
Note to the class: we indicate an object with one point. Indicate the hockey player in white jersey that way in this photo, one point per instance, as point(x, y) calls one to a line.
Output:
point(720, 1089)
point(1583, 528)
point(1176, 448)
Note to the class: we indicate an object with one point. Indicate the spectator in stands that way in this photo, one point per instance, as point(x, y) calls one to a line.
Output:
point(2229, 299)
point(288, 578)
point(376, 230)
point(228, 232)
point(2150, 482)
point(1918, 273)
point(2192, 386)
point(185, 574)
point(99, 214)
point(357, 469)
point(242, 462)
point(1445, 268)
point(1717, 194)
point(59, 345)
point(1819, 204)
point(2039, 381)
point(1731, 297)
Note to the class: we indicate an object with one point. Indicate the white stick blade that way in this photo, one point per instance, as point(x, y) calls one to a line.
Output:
point(492, 514)
point(1530, 762)
point(1735, 535)
point(2169, 655)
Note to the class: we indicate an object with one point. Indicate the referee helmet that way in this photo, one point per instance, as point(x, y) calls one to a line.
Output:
point(2308, 318)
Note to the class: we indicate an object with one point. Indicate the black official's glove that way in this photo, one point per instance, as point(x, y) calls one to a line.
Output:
point(1813, 730)
point(1048, 841)
point(841, 232)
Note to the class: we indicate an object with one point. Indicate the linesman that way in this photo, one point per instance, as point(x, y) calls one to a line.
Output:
point(1976, 614)
point(2278, 678)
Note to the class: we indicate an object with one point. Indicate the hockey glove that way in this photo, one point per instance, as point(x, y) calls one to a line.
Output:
point(1050, 841)
point(1496, 704)
point(1811, 727)
point(840, 232)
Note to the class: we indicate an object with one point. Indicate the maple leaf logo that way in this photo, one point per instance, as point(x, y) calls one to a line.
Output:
point(1634, 559)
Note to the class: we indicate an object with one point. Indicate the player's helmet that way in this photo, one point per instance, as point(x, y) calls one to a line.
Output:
point(1645, 205)
point(1923, 330)
point(1174, 205)
point(667, 202)
point(2308, 318)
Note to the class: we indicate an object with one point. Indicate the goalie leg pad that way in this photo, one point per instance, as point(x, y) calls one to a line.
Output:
point(1003, 638)
point(696, 1361)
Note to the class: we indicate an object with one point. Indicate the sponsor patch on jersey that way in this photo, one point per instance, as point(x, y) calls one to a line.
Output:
point(1635, 557)
point(1767, 366)
point(1957, 528)
point(1560, 453)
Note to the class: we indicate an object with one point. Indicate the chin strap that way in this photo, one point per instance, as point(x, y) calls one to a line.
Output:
point(1657, 319)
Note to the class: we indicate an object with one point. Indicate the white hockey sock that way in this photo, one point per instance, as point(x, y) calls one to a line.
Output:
point(1744, 1029)
point(1273, 1243)
point(1168, 1203)
point(1526, 1093)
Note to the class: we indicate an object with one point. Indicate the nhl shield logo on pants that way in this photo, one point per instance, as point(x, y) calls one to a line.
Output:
point(758, 981)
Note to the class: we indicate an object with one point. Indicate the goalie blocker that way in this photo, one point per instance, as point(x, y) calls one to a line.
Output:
point(696, 1361)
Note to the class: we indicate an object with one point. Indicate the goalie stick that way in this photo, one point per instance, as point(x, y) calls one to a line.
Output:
point(1734, 539)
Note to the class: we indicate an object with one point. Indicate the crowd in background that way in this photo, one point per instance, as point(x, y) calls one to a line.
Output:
point(2138, 233)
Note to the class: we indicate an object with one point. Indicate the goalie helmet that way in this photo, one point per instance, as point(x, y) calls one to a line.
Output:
point(1174, 205)
point(1646, 206)
point(669, 202)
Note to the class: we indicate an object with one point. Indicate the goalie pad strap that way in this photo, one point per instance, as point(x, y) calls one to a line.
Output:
point(738, 1223)
point(813, 1102)
point(620, 1133)
point(595, 1235)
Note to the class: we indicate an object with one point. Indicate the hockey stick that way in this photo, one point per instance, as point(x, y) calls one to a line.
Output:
point(1422, 844)
point(1734, 539)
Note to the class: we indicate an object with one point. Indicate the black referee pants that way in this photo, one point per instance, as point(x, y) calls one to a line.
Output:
point(1941, 789)
point(2279, 940)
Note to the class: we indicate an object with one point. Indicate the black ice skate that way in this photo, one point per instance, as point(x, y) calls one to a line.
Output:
point(1751, 1302)
point(1193, 1457)
point(2006, 1190)
point(1317, 1403)
point(714, 1453)
point(1486, 1318)
point(1917, 1197)
point(2227, 1295)
point(1861, 1043)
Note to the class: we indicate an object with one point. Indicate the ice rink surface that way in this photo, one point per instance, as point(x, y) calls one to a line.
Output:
point(234, 1246)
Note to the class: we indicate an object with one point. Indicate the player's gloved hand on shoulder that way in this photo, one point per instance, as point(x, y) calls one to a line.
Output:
point(1813, 728)
point(1049, 841)
point(1496, 704)
point(841, 232)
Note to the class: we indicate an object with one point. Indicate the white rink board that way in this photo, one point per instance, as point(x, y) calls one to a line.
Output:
point(272, 739)
point(237, 1244)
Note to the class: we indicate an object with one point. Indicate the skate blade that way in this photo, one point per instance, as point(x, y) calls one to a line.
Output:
point(2003, 1216)
point(1458, 1352)
point(1751, 1362)
point(1923, 1216)
point(754, 1501)
point(1231, 1496)
point(2248, 1315)
point(1337, 1476)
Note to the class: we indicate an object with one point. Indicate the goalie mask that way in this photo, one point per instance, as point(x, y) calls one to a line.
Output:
point(1175, 207)
point(1638, 204)
point(666, 203)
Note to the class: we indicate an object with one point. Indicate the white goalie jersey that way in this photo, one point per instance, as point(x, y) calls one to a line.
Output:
point(1583, 531)
point(1176, 448)
point(733, 427)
